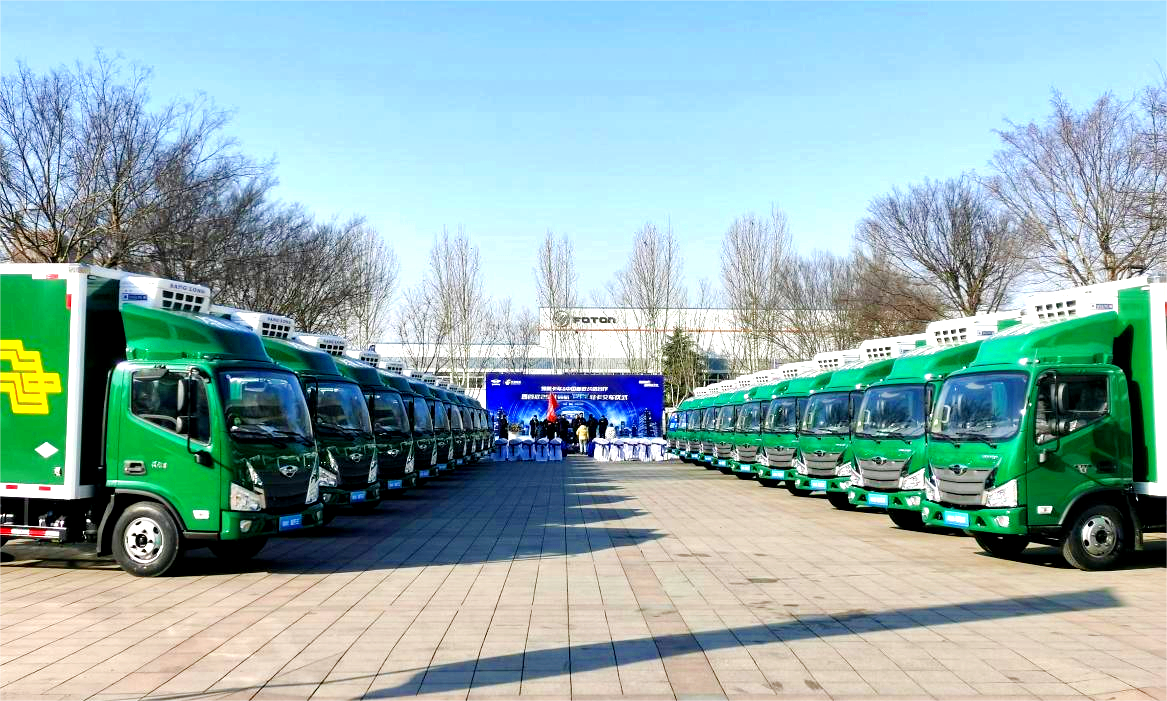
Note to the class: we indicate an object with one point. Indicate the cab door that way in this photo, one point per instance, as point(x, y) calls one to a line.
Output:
point(1075, 439)
point(152, 454)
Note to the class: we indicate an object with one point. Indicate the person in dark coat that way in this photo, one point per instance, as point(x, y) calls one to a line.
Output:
point(534, 426)
point(503, 429)
point(602, 427)
point(548, 428)
point(592, 425)
point(564, 430)
point(575, 424)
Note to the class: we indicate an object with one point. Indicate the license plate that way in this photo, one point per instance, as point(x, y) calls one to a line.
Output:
point(357, 496)
point(291, 523)
point(956, 518)
point(877, 499)
point(818, 484)
point(721, 463)
point(393, 484)
point(423, 473)
point(442, 467)
point(778, 473)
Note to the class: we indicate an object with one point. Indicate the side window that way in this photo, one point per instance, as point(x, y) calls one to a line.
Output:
point(1082, 400)
point(1044, 417)
point(164, 402)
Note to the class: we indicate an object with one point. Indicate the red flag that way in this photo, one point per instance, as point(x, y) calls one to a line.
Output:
point(552, 405)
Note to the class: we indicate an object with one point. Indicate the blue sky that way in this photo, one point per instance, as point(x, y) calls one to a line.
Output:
point(590, 119)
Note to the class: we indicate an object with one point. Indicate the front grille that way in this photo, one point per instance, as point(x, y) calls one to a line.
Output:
point(747, 453)
point(960, 487)
point(885, 476)
point(284, 494)
point(821, 465)
point(778, 457)
point(672, 443)
point(354, 474)
point(706, 448)
point(724, 451)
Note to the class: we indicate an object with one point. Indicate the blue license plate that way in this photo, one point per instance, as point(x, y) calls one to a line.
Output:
point(357, 496)
point(423, 473)
point(291, 523)
point(818, 484)
point(721, 463)
point(956, 518)
point(394, 484)
point(877, 499)
point(780, 474)
point(439, 468)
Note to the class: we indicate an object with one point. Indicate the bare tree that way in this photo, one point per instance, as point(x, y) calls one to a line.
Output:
point(517, 331)
point(454, 283)
point(1088, 187)
point(947, 236)
point(651, 288)
point(419, 331)
point(374, 271)
point(555, 284)
point(754, 255)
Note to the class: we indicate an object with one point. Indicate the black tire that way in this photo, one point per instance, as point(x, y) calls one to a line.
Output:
point(1097, 540)
point(710, 466)
point(744, 475)
point(238, 550)
point(725, 470)
point(768, 482)
point(1006, 546)
point(907, 520)
point(840, 501)
point(366, 507)
point(795, 491)
point(327, 516)
point(146, 541)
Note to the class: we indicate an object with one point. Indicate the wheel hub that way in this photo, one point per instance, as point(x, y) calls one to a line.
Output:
point(1098, 536)
point(143, 540)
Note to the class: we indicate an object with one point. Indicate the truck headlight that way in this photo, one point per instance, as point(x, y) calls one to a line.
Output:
point(243, 499)
point(409, 462)
point(1002, 497)
point(313, 494)
point(373, 468)
point(328, 478)
point(799, 466)
point(931, 491)
point(842, 470)
point(913, 481)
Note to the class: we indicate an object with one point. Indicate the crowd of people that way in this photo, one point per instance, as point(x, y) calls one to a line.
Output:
point(577, 433)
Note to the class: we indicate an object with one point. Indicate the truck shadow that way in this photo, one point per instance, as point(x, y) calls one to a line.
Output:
point(532, 665)
point(1153, 556)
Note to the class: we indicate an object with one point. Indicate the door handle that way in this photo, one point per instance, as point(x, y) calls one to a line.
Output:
point(134, 467)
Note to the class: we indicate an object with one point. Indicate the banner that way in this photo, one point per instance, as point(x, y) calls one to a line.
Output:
point(632, 403)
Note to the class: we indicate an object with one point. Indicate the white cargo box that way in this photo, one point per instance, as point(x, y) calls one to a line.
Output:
point(160, 293)
point(332, 345)
point(1078, 301)
point(954, 332)
point(833, 360)
point(890, 347)
point(365, 356)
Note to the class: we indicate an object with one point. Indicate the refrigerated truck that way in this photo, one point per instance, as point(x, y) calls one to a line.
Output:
point(440, 424)
point(458, 434)
point(679, 440)
point(1056, 432)
point(346, 446)
point(135, 422)
point(772, 455)
point(783, 434)
point(421, 427)
point(395, 471)
point(824, 433)
point(887, 446)
point(747, 434)
point(723, 440)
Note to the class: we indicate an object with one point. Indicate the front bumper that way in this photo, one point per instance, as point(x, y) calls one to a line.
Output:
point(742, 468)
point(332, 496)
point(1011, 521)
point(398, 483)
point(908, 500)
point(771, 473)
point(821, 484)
point(238, 525)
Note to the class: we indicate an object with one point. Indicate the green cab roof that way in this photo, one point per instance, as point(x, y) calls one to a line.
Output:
point(366, 375)
point(802, 386)
point(933, 365)
point(738, 397)
point(1087, 339)
point(422, 389)
point(397, 382)
point(858, 377)
point(299, 357)
point(766, 392)
point(160, 334)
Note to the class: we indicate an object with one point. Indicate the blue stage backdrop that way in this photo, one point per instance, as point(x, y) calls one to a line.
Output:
point(633, 403)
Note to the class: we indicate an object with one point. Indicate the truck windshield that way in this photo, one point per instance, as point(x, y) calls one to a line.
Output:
point(895, 411)
point(456, 419)
point(387, 411)
point(421, 415)
point(783, 415)
point(749, 419)
point(340, 407)
point(827, 414)
point(438, 409)
point(261, 404)
point(725, 417)
point(985, 407)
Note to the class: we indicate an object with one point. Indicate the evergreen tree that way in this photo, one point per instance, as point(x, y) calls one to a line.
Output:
point(682, 364)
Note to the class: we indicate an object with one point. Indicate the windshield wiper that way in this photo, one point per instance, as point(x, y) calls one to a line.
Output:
point(980, 437)
point(257, 431)
point(283, 433)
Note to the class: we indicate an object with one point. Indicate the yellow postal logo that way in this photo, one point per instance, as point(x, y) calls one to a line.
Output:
point(27, 384)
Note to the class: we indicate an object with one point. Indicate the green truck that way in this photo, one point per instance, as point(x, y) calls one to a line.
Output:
point(1055, 433)
point(887, 446)
point(440, 424)
point(772, 457)
point(420, 427)
point(136, 422)
point(395, 471)
point(340, 418)
point(724, 439)
point(784, 417)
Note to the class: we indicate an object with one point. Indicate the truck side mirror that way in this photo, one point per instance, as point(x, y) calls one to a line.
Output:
point(204, 458)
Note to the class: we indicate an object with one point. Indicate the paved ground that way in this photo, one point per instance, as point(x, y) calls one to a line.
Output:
point(550, 580)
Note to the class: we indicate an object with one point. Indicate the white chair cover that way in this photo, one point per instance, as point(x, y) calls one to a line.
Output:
point(516, 445)
point(528, 448)
point(621, 449)
point(502, 452)
point(638, 447)
point(656, 450)
point(555, 453)
point(541, 450)
point(600, 454)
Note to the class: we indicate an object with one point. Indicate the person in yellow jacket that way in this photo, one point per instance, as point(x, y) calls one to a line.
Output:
point(582, 434)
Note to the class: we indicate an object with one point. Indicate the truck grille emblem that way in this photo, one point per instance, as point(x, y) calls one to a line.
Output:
point(819, 453)
point(355, 456)
point(288, 469)
point(879, 460)
point(958, 469)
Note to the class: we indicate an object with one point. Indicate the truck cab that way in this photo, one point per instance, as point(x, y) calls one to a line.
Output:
point(346, 445)
point(459, 435)
point(420, 427)
point(783, 418)
point(678, 437)
point(747, 433)
point(395, 472)
point(725, 413)
point(440, 424)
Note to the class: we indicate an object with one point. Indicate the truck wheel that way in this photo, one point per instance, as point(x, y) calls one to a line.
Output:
point(146, 542)
point(767, 482)
point(744, 475)
point(1001, 545)
point(1097, 540)
point(840, 501)
point(795, 491)
point(907, 520)
point(244, 549)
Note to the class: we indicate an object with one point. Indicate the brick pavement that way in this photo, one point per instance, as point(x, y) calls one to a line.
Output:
point(592, 580)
